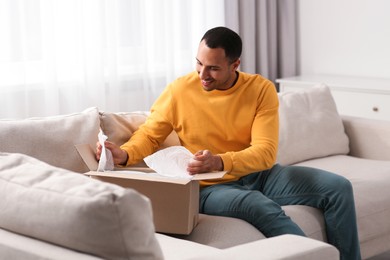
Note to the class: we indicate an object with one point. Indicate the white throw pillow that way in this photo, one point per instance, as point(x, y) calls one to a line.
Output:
point(74, 211)
point(310, 126)
point(52, 139)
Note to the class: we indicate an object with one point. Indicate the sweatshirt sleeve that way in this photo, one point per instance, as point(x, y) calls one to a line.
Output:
point(150, 135)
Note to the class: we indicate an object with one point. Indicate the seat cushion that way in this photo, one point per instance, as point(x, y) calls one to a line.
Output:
point(309, 219)
point(178, 249)
point(286, 247)
point(15, 246)
point(74, 211)
point(52, 139)
point(224, 232)
point(371, 181)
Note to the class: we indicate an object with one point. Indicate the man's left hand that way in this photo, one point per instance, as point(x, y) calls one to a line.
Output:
point(204, 161)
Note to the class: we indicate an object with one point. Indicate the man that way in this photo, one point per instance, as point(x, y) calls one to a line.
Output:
point(229, 120)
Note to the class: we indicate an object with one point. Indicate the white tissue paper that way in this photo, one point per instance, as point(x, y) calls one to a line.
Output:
point(170, 162)
point(106, 162)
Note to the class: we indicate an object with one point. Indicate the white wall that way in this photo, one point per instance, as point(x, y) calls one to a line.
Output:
point(349, 37)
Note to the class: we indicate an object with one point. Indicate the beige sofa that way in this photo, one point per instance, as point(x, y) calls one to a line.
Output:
point(42, 194)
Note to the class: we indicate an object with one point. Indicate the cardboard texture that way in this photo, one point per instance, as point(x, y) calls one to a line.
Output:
point(175, 201)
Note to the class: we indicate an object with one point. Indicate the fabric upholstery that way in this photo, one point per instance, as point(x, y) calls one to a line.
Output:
point(310, 126)
point(52, 139)
point(368, 138)
point(222, 232)
point(120, 126)
point(287, 247)
point(71, 210)
point(371, 182)
point(212, 231)
point(178, 249)
point(18, 247)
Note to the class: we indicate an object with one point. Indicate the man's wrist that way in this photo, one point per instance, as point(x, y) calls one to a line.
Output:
point(218, 163)
point(125, 158)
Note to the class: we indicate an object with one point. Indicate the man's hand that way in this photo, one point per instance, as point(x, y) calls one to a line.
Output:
point(204, 161)
point(119, 156)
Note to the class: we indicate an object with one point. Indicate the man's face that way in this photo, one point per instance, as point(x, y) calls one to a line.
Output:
point(214, 68)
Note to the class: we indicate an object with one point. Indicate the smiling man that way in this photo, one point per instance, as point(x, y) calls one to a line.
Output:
point(214, 70)
point(229, 120)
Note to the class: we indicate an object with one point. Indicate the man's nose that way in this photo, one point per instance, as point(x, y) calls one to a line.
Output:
point(203, 73)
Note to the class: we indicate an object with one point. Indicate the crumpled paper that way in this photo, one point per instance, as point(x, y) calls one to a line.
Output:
point(106, 162)
point(170, 162)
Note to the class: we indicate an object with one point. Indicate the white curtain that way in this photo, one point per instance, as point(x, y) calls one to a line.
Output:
point(62, 56)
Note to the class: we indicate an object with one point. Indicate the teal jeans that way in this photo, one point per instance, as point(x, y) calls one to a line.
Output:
point(257, 198)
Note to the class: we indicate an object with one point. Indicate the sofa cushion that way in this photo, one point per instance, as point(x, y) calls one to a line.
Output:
point(370, 181)
point(286, 247)
point(71, 210)
point(224, 232)
point(310, 126)
point(179, 249)
point(15, 246)
point(52, 139)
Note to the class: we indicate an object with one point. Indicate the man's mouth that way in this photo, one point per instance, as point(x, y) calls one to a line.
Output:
point(207, 82)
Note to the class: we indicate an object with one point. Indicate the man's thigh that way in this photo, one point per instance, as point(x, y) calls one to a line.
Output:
point(238, 201)
point(292, 185)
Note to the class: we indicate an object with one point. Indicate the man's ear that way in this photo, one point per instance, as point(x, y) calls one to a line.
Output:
point(236, 64)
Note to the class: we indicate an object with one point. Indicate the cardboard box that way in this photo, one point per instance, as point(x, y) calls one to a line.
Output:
point(175, 201)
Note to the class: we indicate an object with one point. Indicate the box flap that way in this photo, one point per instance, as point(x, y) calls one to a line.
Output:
point(136, 175)
point(209, 175)
point(153, 176)
point(88, 155)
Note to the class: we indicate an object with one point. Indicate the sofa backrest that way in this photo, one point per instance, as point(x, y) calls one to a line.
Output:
point(52, 139)
point(310, 127)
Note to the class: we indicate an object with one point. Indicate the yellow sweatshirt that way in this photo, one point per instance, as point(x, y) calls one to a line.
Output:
point(240, 124)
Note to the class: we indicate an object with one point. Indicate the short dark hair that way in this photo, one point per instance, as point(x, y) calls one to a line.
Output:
point(225, 38)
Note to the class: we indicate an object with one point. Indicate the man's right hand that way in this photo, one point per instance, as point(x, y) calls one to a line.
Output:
point(119, 156)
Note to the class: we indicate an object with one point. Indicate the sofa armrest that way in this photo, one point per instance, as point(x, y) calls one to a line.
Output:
point(368, 138)
point(286, 247)
point(17, 246)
